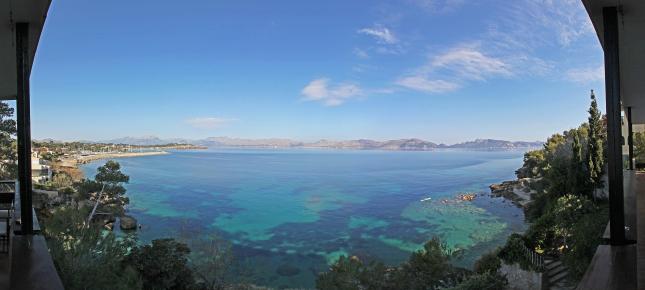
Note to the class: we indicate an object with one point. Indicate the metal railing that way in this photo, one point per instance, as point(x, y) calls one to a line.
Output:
point(536, 259)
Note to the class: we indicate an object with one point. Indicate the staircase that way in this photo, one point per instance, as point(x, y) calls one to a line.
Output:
point(556, 275)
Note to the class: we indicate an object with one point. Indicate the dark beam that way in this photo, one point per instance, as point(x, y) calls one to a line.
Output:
point(614, 134)
point(24, 127)
point(630, 138)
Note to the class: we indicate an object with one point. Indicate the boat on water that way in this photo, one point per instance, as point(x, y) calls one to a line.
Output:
point(426, 199)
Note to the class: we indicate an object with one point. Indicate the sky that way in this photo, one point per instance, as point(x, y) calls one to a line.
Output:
point(446, 71)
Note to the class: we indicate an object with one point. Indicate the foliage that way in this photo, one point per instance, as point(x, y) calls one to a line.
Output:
point(578, 172)
point(8, 150)
point(534, 163)
point(212, 263)
point(595, 157)
point(162, 265)
point(109, 179)
point(85, 255)
point(429, 268)
point(513, 252)
point(540, 202)
point(639, 147)
point(350, 273)
point(585, 236)
point(60, 180)
point(483, 281)
point(489, 262)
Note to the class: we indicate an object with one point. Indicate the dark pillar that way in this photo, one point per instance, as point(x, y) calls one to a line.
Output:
point(614, 136)
point(24, 127)
point(630, 138)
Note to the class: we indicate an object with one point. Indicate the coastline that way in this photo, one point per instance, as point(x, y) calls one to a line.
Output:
point(70, 165)
point(517, 191)
point(99, 156)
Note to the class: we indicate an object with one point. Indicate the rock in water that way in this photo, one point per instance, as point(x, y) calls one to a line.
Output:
point(128, 223)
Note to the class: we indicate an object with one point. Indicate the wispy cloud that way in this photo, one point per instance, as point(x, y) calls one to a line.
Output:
point(438, 5)
point(421, 83)
point(319, 90)
point(208, 122)
point(361, 53)
point(586, 75)
point(380, 33)
point(453, 68)
point(469, 63)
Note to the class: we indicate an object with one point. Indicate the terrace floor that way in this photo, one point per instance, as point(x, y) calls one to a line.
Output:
point(622, 267)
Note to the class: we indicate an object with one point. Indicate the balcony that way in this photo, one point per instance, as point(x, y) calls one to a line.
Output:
point(25, 262)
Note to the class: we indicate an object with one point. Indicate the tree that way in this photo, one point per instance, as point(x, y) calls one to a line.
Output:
point(426, 269)
point(110, 179)
point(86, 257)
point(212, 263)
point(639, 147)
point(8, 153)
point(163, 265)
point(595, 157)
point(578, 174)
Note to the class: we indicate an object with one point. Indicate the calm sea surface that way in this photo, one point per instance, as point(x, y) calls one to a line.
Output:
point(299, 210)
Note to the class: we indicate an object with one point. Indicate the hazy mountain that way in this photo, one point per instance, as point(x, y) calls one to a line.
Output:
point(495, 144)
point(412, 144)
point(147, 140)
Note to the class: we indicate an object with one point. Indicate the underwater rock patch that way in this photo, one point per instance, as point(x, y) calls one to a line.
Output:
point(287, 270)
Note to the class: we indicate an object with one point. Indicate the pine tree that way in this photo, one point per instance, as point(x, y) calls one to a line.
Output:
point(595, 158)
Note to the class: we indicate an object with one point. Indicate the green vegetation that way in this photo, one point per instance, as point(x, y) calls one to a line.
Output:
point(87, 255)
point(597, 137)
point(8, 151)
point(567, 214)
point(429, 268)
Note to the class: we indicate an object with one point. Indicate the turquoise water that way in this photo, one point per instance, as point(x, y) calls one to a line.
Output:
point(301, 209)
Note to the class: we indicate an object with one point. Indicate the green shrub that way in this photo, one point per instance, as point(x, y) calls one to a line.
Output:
point(88, 257)
point(489, 262)
point(162, 265)
point(586, 235)
point(513, 252)
point(485, 281)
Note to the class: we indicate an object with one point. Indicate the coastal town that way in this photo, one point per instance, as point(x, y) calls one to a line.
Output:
point(48, 157)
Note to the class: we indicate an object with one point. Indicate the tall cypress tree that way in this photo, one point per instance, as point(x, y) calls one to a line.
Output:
point(577, 168)
point(595, 159)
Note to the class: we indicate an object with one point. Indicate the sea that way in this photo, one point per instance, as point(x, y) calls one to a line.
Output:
point(288, 214)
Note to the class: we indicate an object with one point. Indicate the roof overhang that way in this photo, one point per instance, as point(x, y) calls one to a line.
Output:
point(33, 12)
point(631, 42)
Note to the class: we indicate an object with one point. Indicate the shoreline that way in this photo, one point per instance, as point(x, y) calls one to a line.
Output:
point(517, 191)
point(71, 165)
point(94, 157)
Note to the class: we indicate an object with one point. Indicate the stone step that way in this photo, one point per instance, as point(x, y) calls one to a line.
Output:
point(557, 270)
point(560, 276)
point(551, 264)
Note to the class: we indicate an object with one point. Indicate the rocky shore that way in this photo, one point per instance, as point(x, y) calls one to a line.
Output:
point(517, 191)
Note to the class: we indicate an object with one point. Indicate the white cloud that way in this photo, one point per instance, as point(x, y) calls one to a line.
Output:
point(452, 69)
point(586, 75)
point(208, 122)
point(360, 53)
point(420, 83)
point(382, 34)
point(438, 5)
point(471, 64)
point(319, 90)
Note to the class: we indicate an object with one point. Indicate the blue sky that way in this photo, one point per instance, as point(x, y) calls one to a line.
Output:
point(441, 70)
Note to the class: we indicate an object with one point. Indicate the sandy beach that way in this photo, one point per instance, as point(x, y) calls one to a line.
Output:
point(98, 156)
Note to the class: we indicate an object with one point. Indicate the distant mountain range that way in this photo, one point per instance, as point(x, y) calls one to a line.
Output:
point(400, 144)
